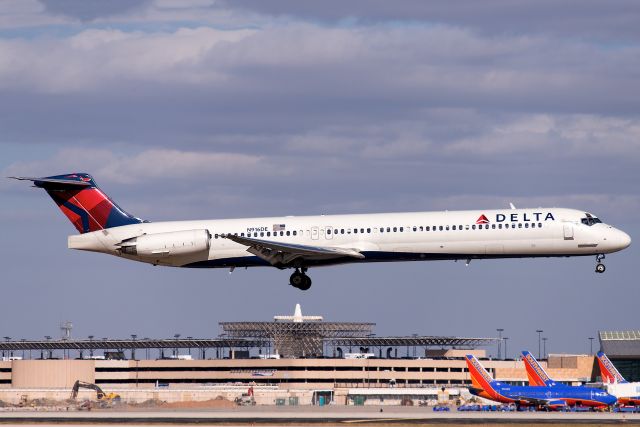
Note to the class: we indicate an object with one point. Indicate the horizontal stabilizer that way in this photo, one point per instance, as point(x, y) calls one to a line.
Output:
point(41, 182)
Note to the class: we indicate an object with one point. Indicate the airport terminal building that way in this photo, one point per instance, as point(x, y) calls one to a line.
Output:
point(292, 356)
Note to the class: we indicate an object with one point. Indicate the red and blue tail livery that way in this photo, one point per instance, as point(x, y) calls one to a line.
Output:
point(549, 397)
point(536, 373)
point(80, 199)
point(608, 371)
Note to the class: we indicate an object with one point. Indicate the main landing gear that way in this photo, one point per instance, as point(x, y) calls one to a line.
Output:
point(300, 280)
point(600, 268)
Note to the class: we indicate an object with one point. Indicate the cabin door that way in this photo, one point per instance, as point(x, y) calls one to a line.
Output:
point(568, 232)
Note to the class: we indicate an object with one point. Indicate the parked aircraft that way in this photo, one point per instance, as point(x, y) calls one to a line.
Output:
point(626, 392)
point(311, 241)
point(557, 396)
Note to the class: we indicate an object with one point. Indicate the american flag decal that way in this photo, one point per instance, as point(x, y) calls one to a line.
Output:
point(279, 227)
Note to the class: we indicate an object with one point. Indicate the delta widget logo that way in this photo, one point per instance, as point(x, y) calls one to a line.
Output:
point(482, 220)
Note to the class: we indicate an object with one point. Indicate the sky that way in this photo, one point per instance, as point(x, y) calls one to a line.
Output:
point(193, 109)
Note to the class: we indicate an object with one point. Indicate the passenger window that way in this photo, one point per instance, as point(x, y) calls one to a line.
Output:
point(401, 229)
point(388, 229)
point(421, 228)
point(215, 236)
point(453, 228)
point(268, 234)
point(466, 227)
point(526, 225)
point(415, 228)
point(295, 233)
point(355, 231)
point(342, 231)
point(329, 231)
point(241, 234)
point(427, 228)
point(500, 226)
point(493, 226)
point(288, 233)
point(395, 229)
point(262, 234)
point(539, 225)
point(361, 230)
point(382, 229)
point(519, 225)
point(473, 227)
point(441, 228)
point(368, 230)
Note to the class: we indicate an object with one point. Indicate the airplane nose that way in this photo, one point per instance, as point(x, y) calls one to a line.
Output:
point(623, 239)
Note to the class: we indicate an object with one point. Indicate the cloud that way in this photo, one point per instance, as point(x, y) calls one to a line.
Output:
point(147, 166)
point(87, 10)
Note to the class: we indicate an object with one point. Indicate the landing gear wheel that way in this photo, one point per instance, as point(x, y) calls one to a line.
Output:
point(307, 283)
point(600, 268)
point(300, 280)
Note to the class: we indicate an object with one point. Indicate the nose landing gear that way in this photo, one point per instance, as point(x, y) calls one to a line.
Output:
point(300, 280)
point(600, 268)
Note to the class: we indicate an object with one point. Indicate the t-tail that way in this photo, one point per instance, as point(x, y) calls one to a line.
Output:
point(536, 373)
point(483, 384)
point(609, 372)
point(80, 199)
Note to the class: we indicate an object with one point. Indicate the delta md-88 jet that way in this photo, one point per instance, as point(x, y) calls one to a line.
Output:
point(310, 241)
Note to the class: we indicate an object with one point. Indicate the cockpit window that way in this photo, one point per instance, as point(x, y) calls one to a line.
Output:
point(589, 220)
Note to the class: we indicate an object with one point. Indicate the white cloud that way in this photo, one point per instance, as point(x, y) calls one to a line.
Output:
point(147, 166)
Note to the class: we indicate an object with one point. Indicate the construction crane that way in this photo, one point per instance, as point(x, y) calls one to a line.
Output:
point(100, 394)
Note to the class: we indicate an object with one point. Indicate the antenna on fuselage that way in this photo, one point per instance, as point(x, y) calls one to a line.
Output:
point(512, 207)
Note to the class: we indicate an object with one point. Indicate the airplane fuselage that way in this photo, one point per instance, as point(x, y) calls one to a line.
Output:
point(552, 396)
point(449, 235)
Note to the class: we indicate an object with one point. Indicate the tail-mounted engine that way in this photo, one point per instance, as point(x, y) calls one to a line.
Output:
point(171, 244)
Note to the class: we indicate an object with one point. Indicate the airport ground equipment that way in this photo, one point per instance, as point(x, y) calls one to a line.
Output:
point(246, 399)
point(101, 395)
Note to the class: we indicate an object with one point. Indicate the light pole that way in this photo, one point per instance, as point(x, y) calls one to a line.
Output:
point(544, 347)
point(505, 347)
point(176, 336)
point(91, 346)
point(591, 345)
point(48, 337)
point(500, 330)
point(133, 347)
point(539, 331)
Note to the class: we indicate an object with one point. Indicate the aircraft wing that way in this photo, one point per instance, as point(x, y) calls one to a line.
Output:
point(282, 254)
point(540, 402)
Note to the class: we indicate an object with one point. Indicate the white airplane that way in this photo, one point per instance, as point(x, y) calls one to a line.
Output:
point(311, 241)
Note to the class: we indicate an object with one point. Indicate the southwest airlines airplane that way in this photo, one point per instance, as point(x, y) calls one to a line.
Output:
point(626, 392)
point(484, 385)
point(311, 241)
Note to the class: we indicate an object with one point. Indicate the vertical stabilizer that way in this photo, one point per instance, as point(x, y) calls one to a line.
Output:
point(536, 373)
point(480, 378)
point(608, 371)
point(82, 202)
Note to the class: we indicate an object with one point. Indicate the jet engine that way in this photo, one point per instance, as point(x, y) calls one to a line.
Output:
point(174, 243)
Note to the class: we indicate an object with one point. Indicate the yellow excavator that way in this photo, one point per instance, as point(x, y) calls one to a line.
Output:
point(105, 399)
